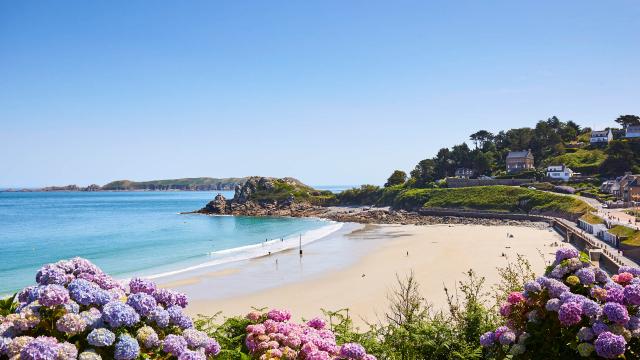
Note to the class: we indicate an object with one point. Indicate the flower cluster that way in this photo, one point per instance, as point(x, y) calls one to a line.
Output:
point(78, 312)
point(273, 336)
point(579, 304)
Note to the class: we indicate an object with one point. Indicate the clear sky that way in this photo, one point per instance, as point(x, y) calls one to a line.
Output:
point(331, 91)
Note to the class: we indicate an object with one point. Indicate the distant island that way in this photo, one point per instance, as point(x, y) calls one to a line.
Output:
point(185, 184)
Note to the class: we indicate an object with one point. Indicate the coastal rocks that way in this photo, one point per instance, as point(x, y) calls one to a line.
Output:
point(217, 206)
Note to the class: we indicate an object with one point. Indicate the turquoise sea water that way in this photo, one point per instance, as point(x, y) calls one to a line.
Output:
point(125, 233)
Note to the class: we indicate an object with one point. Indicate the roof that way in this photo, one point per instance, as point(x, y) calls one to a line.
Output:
point(633, 128)
point(600, 133)
point(519, 154)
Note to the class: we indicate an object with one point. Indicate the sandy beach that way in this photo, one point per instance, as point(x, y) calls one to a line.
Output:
point(437, 254)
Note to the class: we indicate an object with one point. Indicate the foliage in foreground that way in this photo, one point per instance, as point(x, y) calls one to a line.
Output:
point(575, 311)
point(78, 312)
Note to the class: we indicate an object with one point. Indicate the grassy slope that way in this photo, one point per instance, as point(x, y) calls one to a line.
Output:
point(494, 198)
point(592, 219)
point(282, 190)
point(582, 160)
point(632, 236)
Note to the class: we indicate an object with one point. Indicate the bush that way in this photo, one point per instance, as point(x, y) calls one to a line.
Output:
point(574, 311)
point(77, 310)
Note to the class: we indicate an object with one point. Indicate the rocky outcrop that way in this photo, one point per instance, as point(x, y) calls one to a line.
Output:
point(264, 196)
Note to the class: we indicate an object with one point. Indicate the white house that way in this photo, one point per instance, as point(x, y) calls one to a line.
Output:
point(603, 136)
point(559, 172)
point(633, 131)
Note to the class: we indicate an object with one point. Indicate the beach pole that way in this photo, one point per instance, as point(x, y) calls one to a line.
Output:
point(300, 245)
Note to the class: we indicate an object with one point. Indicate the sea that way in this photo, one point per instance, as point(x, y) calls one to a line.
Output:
point(136, 233)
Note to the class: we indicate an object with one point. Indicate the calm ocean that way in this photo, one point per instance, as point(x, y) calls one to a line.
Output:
point(131, 233)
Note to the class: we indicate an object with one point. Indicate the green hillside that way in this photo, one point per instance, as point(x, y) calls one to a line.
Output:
point(201, 183)
point(582, 160)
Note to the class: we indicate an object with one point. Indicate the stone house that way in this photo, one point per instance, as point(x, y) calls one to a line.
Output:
point(518, 161)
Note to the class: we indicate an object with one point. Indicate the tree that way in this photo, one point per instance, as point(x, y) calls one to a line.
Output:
point(626, 120)
point(461, 155)
point(398, 177)
point(620, 158)
point(424, 172)
point(481, 137)
point(483, 163)
point(444, 165)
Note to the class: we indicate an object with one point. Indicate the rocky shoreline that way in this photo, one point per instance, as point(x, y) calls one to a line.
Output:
point(362, 215)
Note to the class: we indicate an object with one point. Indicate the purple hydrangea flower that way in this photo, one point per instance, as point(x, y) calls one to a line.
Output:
point(28, 294)
point(53, 295)
point(599, 327)
point(553, 305)
point(586, 276)
point(71, 324)
point(83, 291)
point(317, 323)
point(195, 338)
point(160, 317)
point(165, 297)
point(174, 344)
point(178, 318)
point(591, 308)
point(192, 355)
point(610, 346)
point(556, 288)
point(212, 348)
point(585, 334)
point(615, 294)
point(632, 294)
point(566, 253)
point(532, 287)
point(628, 269)
point(487, 339)
point(570, 313)
point(92, 317)
point(138, 285)
point(40, 348)
point(51, 275)
point(147, 337)
point(118, 314)
point(101, 337)
point(67, 351)
point(352, 351)
point(616, 313)
point(126, 348)
point(507, 337)
point(601, 275)
point(143, 303)
point(279, 315)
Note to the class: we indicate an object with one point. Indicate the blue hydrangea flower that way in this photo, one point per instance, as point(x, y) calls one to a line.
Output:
point(126, 348)
point(118, 314)
point(142, 303)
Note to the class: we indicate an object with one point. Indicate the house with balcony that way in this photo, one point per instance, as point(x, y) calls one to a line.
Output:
point(518, 161)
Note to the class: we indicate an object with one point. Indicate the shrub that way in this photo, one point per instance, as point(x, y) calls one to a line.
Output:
point(574, 311)
point(77, 310)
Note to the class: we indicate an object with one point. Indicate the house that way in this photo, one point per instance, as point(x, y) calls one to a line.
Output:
point(611, 187)
point(464, 173)
point(518, 161)
point(559, 172)
point(631, 190)
point(603, 136)
point(633, 131)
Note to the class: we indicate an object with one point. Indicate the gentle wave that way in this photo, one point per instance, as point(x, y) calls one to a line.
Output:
point(253, 251)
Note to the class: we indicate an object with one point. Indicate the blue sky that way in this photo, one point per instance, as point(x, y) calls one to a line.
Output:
point(331, 92)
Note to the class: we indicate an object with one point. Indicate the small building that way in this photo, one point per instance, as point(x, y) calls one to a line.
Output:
point(632, 131)
point(559, 172)
point(464, 173)
point(518, 161)
point(599, 137)
point(631, 190)
point(611, 187)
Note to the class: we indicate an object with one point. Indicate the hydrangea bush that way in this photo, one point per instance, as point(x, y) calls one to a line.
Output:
point(273, 336)
point(76, 311)
point(575, 311)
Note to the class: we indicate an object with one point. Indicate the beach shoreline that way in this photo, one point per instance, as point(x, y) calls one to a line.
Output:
point(360, 280)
